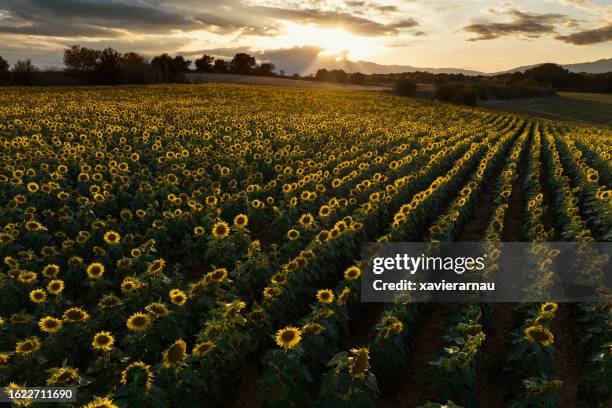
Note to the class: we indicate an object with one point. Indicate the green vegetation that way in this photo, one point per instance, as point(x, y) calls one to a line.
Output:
point(584, 107)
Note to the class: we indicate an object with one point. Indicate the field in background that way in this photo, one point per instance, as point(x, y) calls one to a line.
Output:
point(584, 107)
point(276, 81)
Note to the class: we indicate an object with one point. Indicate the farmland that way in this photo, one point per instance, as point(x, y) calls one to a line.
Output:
point(167, 245)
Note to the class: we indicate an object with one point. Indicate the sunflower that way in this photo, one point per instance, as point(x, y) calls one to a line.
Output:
point(33, 187)
point(343, 296)
point(38, 295)
point(25, 402)
point(137, 372)
point(50, 324)
point(175, 354)
point(112, 237)
point(50, 271)
point(325, 296)
point(198, 230)
point(178, 297)
point(55, 287)
point(108, 301)
point(28, 346)
point(138, 322)
point(95, 270)
point(241, 221)
point(293, 234)
point(313, 328)
point(103, 341)
point(549, 307)
point(352, 273)
point(63, 376)
point(288, 338)
point(99, 402)
point(157, 309)
point(220, 230)
point(20, 318)
point(201, 349)
point(325, 211)
point(360, 363)
point(217, 276)
point(156, 266)
point(130, 284)
point(75, 315)
point(306, 220)
point(539, 334)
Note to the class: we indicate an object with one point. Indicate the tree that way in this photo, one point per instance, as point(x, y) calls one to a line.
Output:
point(220, 66)
point(181, 64)
point(135, 68)
point(108, 70)
point(267, 68)
point(4, 66)
point(24, 72)
point(357, 78)
point(204, 64)
point(4, 71)
point(242, 63)
point(166, 68)
point(405, 87)
point(81, 59)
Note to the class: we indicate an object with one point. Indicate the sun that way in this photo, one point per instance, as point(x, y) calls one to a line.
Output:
point(333, 41)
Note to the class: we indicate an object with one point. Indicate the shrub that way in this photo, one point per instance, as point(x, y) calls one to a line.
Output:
point(405, 87)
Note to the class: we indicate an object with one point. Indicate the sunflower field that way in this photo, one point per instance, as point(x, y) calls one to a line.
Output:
point(199, 245)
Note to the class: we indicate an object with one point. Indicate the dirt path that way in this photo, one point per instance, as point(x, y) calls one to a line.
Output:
point(361, 329)
point(513, 231)
point(492, 390)
point(425, 345)
point(567, 365)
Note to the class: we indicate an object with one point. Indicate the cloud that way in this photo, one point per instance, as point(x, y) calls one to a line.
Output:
point(522, 24)
point(328, 18)
point(89, 18)
point(364, 7)
point(586, 37)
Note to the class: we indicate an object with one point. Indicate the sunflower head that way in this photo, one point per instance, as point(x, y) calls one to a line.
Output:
point(55, 287)
point(201, 349)
point(95, 270)
point(178, 297)
point(38, 296)
point(352, 273)
point(241, 221)
point(99, 402)
point(220, 230)
point(550, 307)
point(28, 346)
point(175, 354)
point(539, 334)
point(75, 315)
point(288, 338)
point(325, 296)
point(139, 374)
point(103, 341)
point(50, 324)
point(112, 237)
point(293, 234)
point(63, 376)
point(138, 322)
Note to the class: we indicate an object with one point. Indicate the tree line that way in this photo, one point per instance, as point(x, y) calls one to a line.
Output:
point(536, 81)
point(110, 67)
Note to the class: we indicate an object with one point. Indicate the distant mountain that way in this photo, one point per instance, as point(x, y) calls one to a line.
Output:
point(595, 67)
point(368, 68)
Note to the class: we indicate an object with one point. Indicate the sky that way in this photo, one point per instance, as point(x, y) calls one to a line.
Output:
point(483, 35)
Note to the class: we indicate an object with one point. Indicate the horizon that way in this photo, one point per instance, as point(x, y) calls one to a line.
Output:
point(491, 36)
